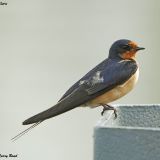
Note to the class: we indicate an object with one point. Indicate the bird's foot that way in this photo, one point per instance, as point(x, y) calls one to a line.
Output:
point(108, 107)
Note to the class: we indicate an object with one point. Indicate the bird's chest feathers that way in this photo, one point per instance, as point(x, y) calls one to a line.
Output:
point(116, 92)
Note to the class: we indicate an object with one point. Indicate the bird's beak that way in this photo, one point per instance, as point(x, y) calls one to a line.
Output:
point(139, 48)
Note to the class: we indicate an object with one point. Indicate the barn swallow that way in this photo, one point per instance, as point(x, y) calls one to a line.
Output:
point(108, 81)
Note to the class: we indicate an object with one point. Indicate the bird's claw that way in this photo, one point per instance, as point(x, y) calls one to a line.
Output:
point(107, 107)
point(103, 112)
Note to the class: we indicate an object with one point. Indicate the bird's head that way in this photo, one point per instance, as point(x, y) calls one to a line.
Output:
point(124, 49)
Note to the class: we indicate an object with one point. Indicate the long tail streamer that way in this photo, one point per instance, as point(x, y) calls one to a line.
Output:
point(25, 131)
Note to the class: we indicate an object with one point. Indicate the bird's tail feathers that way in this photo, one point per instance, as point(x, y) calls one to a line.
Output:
point(38, 118)
point(70, 102)
point(57, 109)
point(25, 131)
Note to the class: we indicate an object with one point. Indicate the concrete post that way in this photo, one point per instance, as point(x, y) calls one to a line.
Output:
point(134, 135)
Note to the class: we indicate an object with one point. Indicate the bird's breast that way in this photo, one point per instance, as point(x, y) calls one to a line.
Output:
point(116, 92)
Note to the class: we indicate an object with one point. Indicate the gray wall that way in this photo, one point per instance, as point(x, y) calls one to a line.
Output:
point(45, 46)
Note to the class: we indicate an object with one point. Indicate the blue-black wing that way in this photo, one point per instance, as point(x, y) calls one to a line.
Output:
point(86, 77)
point(111, 73)
point(102, 78)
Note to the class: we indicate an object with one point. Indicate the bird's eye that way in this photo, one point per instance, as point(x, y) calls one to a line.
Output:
point(126, 47)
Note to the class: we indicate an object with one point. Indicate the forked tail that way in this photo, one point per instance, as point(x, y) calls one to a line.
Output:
point(25, 131)
point(59, 108)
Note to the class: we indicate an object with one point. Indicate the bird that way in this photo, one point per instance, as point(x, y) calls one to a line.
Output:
point(110, 80)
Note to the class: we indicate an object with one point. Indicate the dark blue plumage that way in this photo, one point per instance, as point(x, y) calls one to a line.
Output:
point(114, 71)
point(113, 74)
